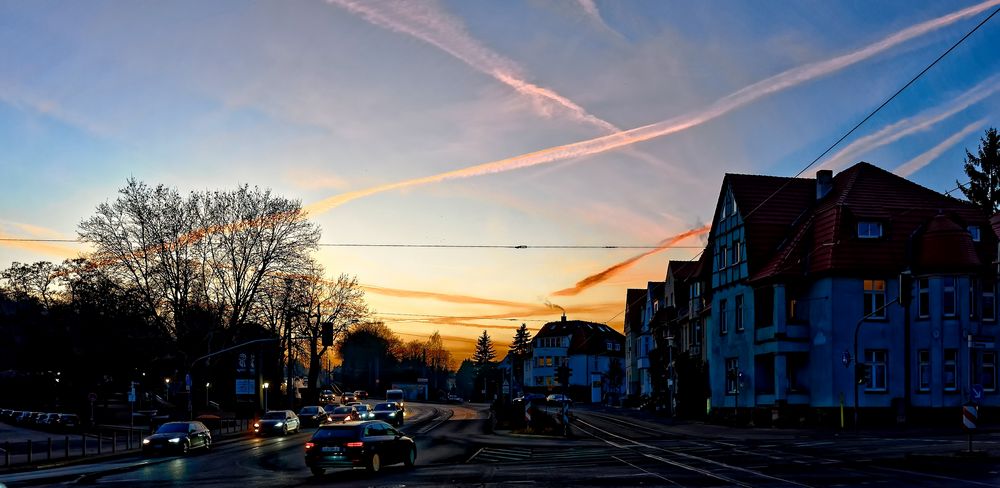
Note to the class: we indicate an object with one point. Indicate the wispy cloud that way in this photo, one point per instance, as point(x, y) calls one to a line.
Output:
point(607, 273)
point(590, 8)
point(23, 100)
point(911, 125)
point(916, 164)
point(744, 96)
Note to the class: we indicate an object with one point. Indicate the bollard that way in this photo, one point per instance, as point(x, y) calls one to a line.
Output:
point(114, 442)
point(29, 451)
point(66, 446)
point(50, 449)
point(83, 445)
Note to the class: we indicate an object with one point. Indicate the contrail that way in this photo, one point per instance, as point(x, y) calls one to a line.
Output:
point(615, 269)
point(917, 163)
point(908, 126)
point(781, 81)
point(590, 8)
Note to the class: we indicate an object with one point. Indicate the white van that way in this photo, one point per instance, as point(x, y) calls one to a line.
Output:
point(395, 396)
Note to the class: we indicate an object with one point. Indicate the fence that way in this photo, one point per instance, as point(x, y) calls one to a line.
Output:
point(15, 454)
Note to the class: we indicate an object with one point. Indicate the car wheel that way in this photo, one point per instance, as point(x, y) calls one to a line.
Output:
point(317, 471)
point(374, 463)
point(411, 458)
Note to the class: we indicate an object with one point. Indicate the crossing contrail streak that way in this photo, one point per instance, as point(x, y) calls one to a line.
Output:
point(916, 164)
point(751, 93)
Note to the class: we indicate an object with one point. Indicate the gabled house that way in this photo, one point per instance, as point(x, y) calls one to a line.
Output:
point(654, 311)
point(679, 340)
point(635, 306)
point(588, 348)
point(811, 276)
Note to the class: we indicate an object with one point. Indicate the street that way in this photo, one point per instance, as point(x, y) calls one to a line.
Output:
point(607, 448)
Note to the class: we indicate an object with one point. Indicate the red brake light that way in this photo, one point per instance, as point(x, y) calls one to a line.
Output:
point(355, 444)
point(310, 445)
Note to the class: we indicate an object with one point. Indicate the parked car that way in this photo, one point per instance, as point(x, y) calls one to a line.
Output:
point(558, 398)
point(277, 422)
point(178, 436)
point(371, 444)
point(361, 394)
point(312, 415)
point(389, 412)
point(364, 411)
point(344, 413)
point(348, 397)
point(67, 421)
point(47, 419)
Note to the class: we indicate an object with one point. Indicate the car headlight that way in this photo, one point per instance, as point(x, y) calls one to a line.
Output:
point(392, 414)
point(145, 441)
point(175, 440)
point(256, 425)
point(279, 424)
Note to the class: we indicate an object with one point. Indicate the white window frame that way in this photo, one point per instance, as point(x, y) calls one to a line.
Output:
point(989, 302)
point(949, 296)
point(723, 324)
point(732, 383)
point(738, 318)
point(869, 229)
point(874, 298)
point(950, 367)
point(923, 297)
point(988, 368)
point(924, 370)
point(974, 232)
point(878, 360)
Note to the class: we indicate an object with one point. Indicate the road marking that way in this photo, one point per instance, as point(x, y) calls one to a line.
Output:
point(646, 471)
point(940, 477)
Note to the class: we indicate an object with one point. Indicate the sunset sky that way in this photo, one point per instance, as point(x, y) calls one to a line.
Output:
point(554, 125)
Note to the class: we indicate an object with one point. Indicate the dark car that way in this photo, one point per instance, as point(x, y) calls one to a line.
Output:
point(67, 421)
point(178, 436)
point(312, 415)
point(530, 398)
point(327, 397)
point(364, 411)
point(371, 444)
point(47, 420)
point(361, 394)
point(344, 414)
point(277, 422)
point(389, 412)
point(348, 397)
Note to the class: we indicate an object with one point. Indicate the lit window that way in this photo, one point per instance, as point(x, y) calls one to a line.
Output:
point(869, 230)
point(874, 296)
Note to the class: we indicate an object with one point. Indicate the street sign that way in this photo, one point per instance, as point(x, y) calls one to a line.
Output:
point(969, 416)
point(977, 393)
point(92, 397)
point(131, 395)
point(187, 382)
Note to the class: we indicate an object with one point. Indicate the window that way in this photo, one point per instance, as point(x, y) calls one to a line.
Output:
point(877, 359)
point(728, 206)
point(548, 360)
point(951, 369)
point(739, 312)
point(869, 230)
point(732, 375)
point(696, 331)
point(539, 380)
point(974, 294)
point(989, 303)
point(737, 252)
point(541, 361)
point(974, 232)
point(723, 325)
point(874, 296)
point(924, 370)
point(948, 298)
point(618, 347)
point(723, 255)
point(923, 297)
point(607, 345)
point(988, 371)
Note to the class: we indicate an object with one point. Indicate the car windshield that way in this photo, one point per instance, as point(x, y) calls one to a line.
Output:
point(172, 428)
point(274, 416)
point(335, 433)
point(361, 408)
point(385, 406)
point(309, 410)
point(343, 410)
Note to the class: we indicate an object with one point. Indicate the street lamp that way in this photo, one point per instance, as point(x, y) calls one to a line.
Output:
point(266, 386)
point(166, 384)
point(207, 386)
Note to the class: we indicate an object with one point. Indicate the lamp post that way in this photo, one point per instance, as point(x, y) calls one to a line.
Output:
point(166, 383)
point(207, 387)
point(266, 387)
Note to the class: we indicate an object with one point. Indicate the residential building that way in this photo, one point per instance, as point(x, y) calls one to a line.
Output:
point(588, 348)
point(653, 312)
point(635, 306)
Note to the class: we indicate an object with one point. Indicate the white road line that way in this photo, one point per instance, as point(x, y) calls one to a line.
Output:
point(949, 478)
point(646, 471)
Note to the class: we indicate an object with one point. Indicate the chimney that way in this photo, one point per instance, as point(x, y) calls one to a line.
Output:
point(824, 183)
point(564, 317)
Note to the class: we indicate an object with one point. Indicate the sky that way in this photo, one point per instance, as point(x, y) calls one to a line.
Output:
point(563, 126)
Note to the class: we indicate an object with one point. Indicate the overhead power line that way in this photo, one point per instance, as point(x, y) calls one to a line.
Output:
point(425, 246)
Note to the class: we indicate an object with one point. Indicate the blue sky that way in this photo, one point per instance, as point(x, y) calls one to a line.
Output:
point(317, 99)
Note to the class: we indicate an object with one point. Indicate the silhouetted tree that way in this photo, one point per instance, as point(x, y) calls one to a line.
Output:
point(984, 173)
point(520, 350)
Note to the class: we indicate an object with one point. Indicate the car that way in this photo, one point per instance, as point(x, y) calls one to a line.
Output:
point(330, 408)
point(371, 444)
point(389, 412)
point(327, 396)
point(47, 419)
point(396, 396)
point(361, 394)
point(312, 415)
point(530, 398)
point(67, 421)
point(558, 398)
point(277, 422)
point(364, 411)
point(344, 413)
point(178, 436)
point(348, 397)
point(454, 398)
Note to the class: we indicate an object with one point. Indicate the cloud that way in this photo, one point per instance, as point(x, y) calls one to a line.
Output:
point(916, 164)
point(740, 98)
point(590, 8)
point(23, 100)
point(36, 232)
point(911, 125)
point(607, 273)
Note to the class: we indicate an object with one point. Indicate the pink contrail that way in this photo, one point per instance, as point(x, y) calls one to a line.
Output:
point(917, 163)
point(781, 81)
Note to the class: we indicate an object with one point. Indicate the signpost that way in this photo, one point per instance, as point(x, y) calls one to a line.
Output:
point(969, 416)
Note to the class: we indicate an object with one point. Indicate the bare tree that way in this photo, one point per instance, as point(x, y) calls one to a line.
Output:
point(34, 280)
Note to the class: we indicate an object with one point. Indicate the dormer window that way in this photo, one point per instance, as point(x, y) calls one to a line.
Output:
point(869, 230)
point(974, 232)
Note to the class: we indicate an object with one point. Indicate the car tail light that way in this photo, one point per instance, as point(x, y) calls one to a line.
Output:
point(310, 445)
point(355, 444)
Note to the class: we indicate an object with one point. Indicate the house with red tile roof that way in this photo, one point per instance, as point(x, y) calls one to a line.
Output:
point(812, 280)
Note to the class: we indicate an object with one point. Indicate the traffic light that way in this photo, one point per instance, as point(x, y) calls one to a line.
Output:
point(327, 334)
point(562, 374)
point(862, 373)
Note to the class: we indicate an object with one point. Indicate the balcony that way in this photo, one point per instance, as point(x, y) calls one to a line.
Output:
point(794, 338)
